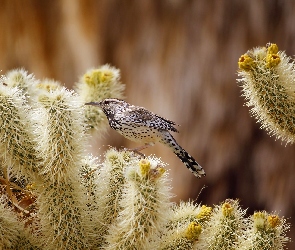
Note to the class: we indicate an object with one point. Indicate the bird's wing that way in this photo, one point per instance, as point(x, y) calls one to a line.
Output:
point(143, 117)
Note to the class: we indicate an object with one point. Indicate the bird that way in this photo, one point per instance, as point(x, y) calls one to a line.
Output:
point(141, 125)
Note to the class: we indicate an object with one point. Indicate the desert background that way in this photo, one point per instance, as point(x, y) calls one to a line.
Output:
point(178, 58)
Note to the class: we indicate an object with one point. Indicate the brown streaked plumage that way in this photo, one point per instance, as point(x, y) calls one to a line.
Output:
point(141, 125)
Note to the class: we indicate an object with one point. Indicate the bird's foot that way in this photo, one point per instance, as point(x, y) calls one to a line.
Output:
point(138, 149)
point(135, 151)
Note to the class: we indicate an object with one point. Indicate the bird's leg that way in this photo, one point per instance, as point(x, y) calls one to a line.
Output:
point(146, 145)
point(136, 150)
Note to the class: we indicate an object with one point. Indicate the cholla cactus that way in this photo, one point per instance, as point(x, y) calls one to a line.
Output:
point(24, 81)
point(225, 227)
point(56, 196)
point(268, 83)
point(184, 226)
point(144, 200)
point(9, 226)
point(96, 85)
point(264, 231)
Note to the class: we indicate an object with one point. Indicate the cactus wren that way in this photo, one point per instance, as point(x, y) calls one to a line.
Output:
point(140, 125)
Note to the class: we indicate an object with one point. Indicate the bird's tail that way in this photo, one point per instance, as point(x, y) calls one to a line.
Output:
point(184, 156)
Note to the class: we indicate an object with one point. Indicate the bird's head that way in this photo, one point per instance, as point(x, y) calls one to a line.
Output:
point(109, 105)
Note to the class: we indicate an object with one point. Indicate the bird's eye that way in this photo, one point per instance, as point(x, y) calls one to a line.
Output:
point(106, 102)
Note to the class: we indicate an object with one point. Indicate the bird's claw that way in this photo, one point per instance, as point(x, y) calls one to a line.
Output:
point(134, 150)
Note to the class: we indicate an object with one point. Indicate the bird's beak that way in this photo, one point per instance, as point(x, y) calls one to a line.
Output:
point(93, 103)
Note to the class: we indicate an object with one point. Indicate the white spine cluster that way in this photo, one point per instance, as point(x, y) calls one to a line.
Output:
point(10, 227)
point(60, 134)
point(24, 81)
point(109, 190)
point(17, 145)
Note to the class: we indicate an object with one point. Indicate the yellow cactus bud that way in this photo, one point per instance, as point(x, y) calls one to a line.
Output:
point(272, 49)
point(259, 219)
point(193, 231)
point(273, 220)
point(157, 172)
point(272, 60)
point(145, 167)
point(98, 76)
point(245, 62)
point(48, 85)
point(204, 213)
point(227, 209)
point(160, 171)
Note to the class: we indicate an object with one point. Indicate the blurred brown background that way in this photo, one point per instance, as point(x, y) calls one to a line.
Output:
point(178, 58)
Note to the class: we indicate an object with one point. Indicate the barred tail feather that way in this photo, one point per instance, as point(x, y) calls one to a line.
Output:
point(189, 162)
point(184, 156)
